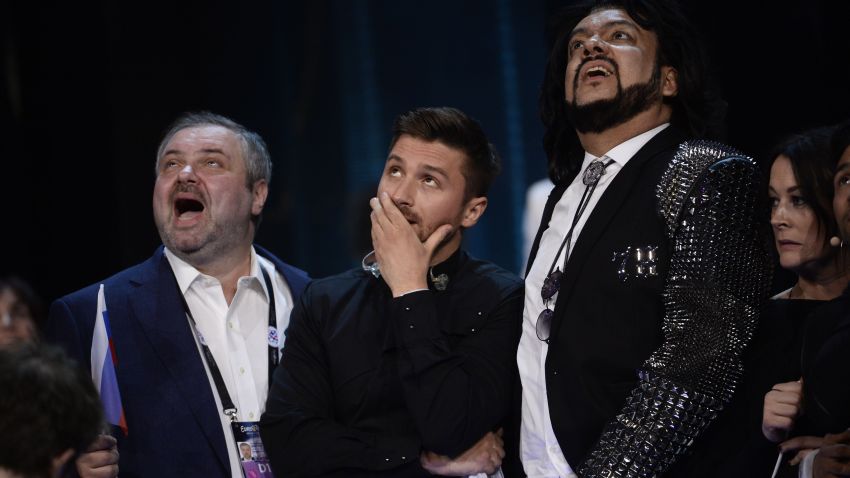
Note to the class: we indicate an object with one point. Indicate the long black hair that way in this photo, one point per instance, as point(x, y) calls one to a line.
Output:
point(698, 108)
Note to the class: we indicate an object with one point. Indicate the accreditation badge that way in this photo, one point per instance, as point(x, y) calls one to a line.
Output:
point(252, 454)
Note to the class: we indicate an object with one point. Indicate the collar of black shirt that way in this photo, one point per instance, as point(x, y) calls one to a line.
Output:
point(449, 267)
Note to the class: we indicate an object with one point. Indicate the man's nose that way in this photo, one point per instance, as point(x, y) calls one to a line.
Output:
point(187, 173)
point(594, 46)
point(402, 193)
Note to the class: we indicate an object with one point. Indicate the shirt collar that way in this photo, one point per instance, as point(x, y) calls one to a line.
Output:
point(623, 152)
point(186, 274)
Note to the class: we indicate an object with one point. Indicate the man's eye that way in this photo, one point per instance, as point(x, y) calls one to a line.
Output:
point(169, 164)
point(213, 163)
point(429, 181)
point(843, 180)
point(575, 45)
point(620, 35)
point(394, 172)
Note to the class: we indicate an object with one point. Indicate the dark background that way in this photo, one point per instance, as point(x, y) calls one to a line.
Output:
point(87, 89)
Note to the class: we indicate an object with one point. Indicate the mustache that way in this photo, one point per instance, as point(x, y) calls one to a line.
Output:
point(185, 188)
point(588, 59)
point(408, 213)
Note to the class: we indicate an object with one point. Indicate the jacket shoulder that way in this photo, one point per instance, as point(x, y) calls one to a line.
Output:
point(489, 275)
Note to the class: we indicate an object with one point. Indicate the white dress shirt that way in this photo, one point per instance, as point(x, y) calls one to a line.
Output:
point(237, 335)
point(539, 450)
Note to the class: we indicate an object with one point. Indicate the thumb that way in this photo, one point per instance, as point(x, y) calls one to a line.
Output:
point(437, 237)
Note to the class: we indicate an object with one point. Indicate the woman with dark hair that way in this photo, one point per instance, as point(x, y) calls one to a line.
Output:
point(800, 193)
point(823, 422)
point(802, 220)
point(804, 225)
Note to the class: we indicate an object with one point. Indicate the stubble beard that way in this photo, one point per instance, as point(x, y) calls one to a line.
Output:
point(601, 115)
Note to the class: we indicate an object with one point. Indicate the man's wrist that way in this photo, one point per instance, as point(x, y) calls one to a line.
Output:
point(405, 289)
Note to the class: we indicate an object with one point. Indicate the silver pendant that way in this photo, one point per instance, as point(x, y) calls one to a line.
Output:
point(440, 282)
point(594, 171)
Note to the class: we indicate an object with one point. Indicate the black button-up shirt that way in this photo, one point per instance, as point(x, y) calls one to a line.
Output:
point(368, 381)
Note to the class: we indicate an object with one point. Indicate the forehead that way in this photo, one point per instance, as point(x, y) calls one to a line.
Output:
point(605, 18)
point(204, 137)
point(418, 151)
point(781, 170)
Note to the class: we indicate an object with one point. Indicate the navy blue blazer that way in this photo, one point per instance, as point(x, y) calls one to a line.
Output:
point(173, 424)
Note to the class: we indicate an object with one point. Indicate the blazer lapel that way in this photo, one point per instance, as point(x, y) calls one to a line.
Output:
point(158, 308)
point(554, 197)
point(605, 210)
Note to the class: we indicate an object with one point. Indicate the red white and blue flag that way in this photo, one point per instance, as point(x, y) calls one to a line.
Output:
point(103, 361)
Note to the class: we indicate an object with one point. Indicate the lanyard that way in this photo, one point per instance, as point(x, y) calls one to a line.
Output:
point(227, 405)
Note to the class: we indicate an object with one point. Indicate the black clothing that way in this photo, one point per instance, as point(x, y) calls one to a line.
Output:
point(368, 381)
point(773, 357)
point(681, 321)
point(826, 370)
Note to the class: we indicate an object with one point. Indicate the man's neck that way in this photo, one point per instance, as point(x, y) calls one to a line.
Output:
point(446, 250)
point(598, 144)
point(227, 268)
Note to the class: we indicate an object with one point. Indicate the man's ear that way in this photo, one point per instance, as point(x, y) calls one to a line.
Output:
point(472, 211)
point(669, 81)
point(260, 193)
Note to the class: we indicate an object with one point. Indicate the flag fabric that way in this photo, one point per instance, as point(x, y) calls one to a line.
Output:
point(103, 361)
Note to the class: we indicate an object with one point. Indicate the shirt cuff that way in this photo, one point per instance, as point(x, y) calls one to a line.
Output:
point(409, 292)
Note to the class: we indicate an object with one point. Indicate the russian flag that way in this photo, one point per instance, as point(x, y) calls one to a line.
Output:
point(103, 360)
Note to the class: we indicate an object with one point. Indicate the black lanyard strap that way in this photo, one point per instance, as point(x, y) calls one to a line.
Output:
point(228, 408)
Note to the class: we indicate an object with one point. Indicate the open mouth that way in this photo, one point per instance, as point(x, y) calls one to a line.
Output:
point(187, 207)
point(598, 72)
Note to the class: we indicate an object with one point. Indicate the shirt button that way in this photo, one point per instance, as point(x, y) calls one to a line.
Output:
point(480, 314)
point(242, 370)
point(251, 415)
point(387, 460)
point(411, 326)
point(404, 458)
point(230, 324)
point(473, 329)
point(407, 309)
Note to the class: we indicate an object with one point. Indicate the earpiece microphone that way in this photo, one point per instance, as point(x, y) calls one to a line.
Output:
point(835, 241)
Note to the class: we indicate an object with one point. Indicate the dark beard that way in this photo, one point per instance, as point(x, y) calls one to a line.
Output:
point(601, 115)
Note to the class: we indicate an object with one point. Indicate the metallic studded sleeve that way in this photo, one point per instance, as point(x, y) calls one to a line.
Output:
point(719, 274)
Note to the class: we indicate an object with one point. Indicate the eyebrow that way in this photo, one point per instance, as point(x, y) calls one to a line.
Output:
point(613, 23)
point(789, 190)
point(205, 150)
point(427, 167)
point(842, 167)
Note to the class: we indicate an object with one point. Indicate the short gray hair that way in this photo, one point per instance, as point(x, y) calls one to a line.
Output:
point(258, 163)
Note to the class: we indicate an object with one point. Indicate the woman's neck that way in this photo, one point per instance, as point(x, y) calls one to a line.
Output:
point(826, 287)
